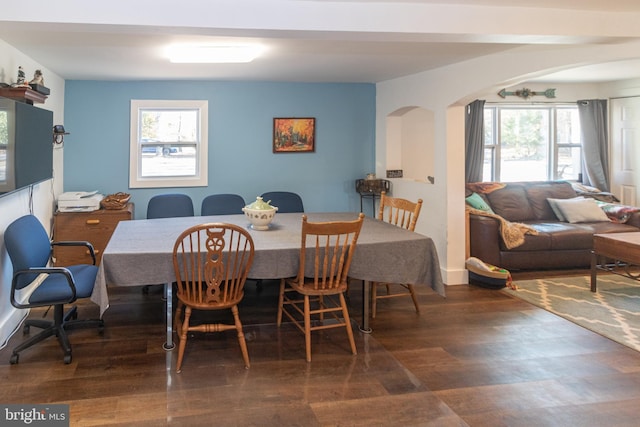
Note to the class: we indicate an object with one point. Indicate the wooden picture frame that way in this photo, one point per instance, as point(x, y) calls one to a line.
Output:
point(294, 135)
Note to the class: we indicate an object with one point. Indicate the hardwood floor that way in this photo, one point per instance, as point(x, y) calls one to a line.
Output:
point(477, 358)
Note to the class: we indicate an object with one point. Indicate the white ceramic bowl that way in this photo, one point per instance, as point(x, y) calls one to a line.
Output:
point(260, 214)
point(260, 218)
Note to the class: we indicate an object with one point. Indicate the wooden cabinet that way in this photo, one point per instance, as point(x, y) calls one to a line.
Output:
point(95, 227)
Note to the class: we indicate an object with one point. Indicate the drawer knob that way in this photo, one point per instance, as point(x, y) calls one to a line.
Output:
point(93, 221)
point(95, 251)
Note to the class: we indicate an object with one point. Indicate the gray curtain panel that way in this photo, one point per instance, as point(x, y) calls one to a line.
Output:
point(595, 143)
point(474, 141)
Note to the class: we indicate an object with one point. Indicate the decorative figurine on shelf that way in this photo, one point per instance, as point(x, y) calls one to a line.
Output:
point(38, 78)
point(21, 78)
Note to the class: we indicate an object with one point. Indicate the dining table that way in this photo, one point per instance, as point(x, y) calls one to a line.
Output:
point(140, 252)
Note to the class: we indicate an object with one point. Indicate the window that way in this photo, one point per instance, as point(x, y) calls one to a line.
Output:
point(531, 143)
point(168, 146)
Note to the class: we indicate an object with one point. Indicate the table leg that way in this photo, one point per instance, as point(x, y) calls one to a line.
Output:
point(373, 207)
point(594, 270)
point(168, 291)
point(366, 290)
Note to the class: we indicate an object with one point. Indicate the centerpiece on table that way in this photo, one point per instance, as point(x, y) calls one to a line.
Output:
point(260, 213)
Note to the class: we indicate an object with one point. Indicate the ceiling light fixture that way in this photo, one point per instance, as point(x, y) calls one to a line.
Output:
point(213, 54)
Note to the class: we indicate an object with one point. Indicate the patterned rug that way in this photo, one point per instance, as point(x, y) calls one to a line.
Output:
point(613, 311)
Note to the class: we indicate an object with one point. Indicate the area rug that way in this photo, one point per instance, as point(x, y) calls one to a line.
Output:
point(613, 311)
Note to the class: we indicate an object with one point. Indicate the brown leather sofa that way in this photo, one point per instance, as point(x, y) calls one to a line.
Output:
point(556, 245)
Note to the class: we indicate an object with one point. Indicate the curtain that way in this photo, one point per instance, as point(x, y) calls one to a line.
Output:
point(474, 141)
point(595, 143)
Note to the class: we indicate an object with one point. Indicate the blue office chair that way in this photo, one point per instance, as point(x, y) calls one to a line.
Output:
point(286, 201)
point(29, 249)
point(222, 204)
point(169, 206)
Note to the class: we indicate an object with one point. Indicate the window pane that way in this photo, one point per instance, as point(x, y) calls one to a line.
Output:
point(567, 126)
point(569, 163)
point(489, 137)
point(169, 125)
point(524, 140)
point(173, 127)
point(168, 160)
point(487, 167)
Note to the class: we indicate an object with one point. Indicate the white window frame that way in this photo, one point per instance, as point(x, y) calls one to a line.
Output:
point(200, 179)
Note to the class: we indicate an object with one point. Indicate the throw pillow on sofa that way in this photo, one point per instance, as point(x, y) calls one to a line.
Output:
point(556, 208)
point(578, 209)
point(477, 202)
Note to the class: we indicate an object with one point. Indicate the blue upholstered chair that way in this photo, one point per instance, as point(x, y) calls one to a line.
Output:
point(35, 284)
point(169, 206)
point(286, 201)
point(172, 205)
point(222, 204)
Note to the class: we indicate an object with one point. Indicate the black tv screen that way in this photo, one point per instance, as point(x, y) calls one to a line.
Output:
point(26, 145)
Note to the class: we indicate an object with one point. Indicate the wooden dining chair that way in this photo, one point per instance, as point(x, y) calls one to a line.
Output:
point(325, 257)
point(211, 263)
point(402, 213)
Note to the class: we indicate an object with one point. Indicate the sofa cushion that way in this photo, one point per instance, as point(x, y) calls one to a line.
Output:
point(539, 192)
point(532, 242)
point(511, 203)
point(554, 235)
point(606, 227)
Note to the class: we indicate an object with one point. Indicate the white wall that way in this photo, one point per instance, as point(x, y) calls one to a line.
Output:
point(445, 91)
point(19, 203)
point(621, 89)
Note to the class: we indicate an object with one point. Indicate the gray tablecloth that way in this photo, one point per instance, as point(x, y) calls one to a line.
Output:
point(140, 252)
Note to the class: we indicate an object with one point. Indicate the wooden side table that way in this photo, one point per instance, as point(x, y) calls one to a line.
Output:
point(94, 227)
point(370, 189)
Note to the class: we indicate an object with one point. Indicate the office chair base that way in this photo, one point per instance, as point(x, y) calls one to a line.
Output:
point(59, 327)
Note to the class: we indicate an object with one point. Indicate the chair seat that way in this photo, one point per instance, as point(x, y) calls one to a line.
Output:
point(211, 305)
point(308, 288)
point(54, 287)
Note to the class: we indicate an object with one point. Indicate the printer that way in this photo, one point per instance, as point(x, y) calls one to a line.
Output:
point(79, 201)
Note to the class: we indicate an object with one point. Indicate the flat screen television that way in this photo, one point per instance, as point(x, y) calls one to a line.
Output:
point(26, 145)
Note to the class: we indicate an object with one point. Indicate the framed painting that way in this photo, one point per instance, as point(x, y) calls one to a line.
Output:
point(294, 135)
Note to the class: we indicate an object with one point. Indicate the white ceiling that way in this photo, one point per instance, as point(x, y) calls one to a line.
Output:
point(118, 48)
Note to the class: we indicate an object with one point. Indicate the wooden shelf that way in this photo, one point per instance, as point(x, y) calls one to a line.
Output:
point(23, 94)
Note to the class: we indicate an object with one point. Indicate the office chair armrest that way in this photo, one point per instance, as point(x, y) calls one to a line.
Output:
point(42, 270)
point(78, 243)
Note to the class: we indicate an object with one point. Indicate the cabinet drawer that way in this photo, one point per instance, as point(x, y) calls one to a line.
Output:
point(94, 227)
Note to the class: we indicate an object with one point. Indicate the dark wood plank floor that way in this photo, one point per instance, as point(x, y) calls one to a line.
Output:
point(477, 358)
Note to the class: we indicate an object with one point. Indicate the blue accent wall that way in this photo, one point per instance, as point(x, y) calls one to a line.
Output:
point(96, 153)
